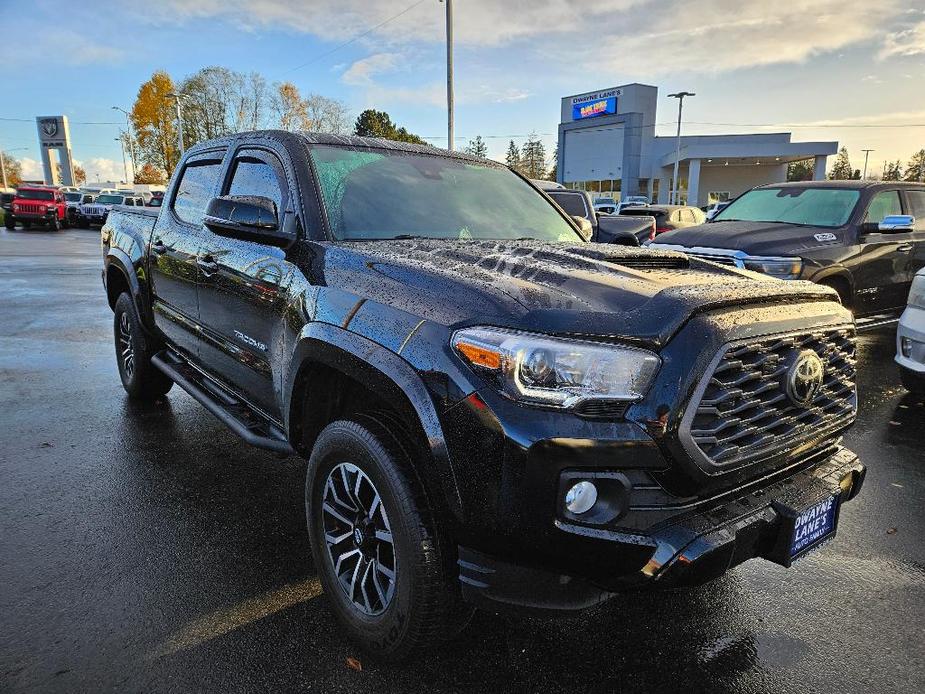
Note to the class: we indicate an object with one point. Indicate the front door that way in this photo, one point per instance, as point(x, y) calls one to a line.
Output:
point(174, 251)
point(243, 289)
point(880, 279)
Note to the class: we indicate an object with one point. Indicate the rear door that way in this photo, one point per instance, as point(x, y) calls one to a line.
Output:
point(881, 279)
point(243, 287)
point(174, 252)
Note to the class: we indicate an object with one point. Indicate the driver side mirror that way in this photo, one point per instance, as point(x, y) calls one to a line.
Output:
point(247, 217)
point(894, 223)
point(585, 227)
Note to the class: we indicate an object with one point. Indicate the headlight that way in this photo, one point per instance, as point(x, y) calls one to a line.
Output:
point(781, 268)
point(917, 292)
point(553, 371)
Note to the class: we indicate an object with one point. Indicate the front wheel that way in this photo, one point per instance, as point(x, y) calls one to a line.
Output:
point(54, 224)
point(9, 221)
point(140, 378)
point(385, 565)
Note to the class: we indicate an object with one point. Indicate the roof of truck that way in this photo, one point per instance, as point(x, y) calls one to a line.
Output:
point(850, 185)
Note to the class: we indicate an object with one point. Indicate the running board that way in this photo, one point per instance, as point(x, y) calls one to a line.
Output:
point(873, 322)
point(238, 416)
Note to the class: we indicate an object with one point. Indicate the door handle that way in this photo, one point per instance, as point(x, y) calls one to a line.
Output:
point(207, 264)
point(904, 248)
point(158, 247)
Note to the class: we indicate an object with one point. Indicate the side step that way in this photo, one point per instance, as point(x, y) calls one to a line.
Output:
point(238, 416)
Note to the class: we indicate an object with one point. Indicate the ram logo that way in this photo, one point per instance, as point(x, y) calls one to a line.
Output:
point(248, 340)
point(825, 237)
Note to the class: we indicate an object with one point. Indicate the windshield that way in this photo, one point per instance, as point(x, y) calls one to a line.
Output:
point(820, 207)
point(110, 199)
point(73, 197)
point(35, 194)
point(372, 194)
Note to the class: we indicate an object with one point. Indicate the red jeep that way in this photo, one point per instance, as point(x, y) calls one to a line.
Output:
point(37, 205)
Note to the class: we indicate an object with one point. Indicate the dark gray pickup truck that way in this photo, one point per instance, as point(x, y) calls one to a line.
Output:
point(494, 412)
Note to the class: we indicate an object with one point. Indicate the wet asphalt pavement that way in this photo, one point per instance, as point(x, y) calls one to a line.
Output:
point(148, 549)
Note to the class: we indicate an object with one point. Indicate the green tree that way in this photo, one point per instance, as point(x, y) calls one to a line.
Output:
point(533, 158)
point(842, 170)
point(801, 170)
point(893, 171)
point(477, 148)
point(916, 167)
point(554, 169)
point(372, 123)
point(512, 159)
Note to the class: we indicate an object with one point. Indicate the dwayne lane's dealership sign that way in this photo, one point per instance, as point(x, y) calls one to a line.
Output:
point(596, 104)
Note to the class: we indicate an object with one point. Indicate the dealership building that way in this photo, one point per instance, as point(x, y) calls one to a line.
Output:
point(607, 142)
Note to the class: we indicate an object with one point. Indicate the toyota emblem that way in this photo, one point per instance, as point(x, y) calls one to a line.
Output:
point(804, 378)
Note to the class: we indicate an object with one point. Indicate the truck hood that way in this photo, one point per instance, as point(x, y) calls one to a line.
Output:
point(755, 238)
point(577, 289)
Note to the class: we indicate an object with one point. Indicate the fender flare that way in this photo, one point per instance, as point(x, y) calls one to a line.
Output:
point(386, 374)
point(123, 263)
point(835, 272)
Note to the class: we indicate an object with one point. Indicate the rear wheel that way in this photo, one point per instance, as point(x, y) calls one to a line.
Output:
point(383, 560)
point(140, 378)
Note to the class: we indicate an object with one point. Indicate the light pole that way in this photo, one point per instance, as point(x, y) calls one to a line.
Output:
point(676, 197)
point(866, 155)
point(177, 97)
point(131, 140)
point(124, 167)
point(449, 74)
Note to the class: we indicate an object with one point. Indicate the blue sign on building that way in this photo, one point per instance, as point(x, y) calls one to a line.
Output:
point(590, 109)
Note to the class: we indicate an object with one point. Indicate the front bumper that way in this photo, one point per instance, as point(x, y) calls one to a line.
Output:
point(912, 328)
point(697, 547)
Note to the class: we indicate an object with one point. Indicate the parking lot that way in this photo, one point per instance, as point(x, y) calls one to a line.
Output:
point(146, 548)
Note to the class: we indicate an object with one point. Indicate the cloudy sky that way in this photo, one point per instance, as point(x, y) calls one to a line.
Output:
point(823, 69)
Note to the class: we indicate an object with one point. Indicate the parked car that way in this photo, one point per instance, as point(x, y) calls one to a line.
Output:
point(910, 338)
point(155, 201)
point(6, 202)
point(603, 228)
point(96, 212)
point(494, 411)
point(859, 237)
point(40, 205)
point(74, 200)
point(667, 217)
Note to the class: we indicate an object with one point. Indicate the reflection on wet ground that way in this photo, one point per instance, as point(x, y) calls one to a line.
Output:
point(146, 548)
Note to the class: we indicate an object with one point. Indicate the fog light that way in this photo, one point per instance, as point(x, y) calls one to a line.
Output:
point(581, 497)
point(905, 344)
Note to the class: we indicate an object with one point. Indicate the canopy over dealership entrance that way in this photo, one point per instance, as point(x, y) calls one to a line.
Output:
point(607, 142)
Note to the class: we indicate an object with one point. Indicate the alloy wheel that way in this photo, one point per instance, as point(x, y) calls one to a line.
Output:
point(358, 539)
point(126, 351)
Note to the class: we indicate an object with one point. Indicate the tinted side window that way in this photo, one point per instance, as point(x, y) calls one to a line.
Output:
point(572, 204)
point(252, 177)
point(130, 202)
point(196, 188)
point(916, 200)
point(883, 204)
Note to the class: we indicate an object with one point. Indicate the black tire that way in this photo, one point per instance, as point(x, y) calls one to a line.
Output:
point(140, 378)
point(912, 381)
point(82, 223)
point(421, 604)
point(9, 221)
point(54, 224)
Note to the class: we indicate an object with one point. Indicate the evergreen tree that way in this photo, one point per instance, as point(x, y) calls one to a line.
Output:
point(477, 148)
point(801, 170)
point(916, 167)
point(372, 123)
point(893, 171)
point(842, 170)
point(513, 156)
point(533, 158)
point(554, 169)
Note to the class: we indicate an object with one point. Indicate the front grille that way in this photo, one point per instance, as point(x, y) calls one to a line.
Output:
point(94, 211)
point(721, 259)
point(601, 409)
point(745, 411)
point(28, 208)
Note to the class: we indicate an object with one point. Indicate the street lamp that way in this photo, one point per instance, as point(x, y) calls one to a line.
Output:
point(866, 155)
point(3, 163)
point(676, 197)
point(121, 141)
point(131, 139)
point(177, 96)
point(449, 74)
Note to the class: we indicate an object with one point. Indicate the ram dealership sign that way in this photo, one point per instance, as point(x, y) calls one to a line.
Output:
point(54, 134)
point(597, 104)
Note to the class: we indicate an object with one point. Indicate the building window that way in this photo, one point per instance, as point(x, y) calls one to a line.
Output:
point(715, 196)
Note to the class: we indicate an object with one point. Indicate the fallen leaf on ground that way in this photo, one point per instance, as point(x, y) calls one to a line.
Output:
point(891, 531)
point(354, 664)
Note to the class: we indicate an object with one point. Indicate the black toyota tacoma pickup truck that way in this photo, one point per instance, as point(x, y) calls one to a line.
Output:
point(865, 239)
point(494, 412)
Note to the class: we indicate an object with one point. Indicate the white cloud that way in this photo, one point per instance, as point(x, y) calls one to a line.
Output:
point(101, 169)
point(61, 45)
point(31, 169)
point(905, 43)
point(362, 71)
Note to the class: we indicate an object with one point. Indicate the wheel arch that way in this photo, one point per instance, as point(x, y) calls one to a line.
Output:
point(119, 277)
point(841, 281)
point(325, 352)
